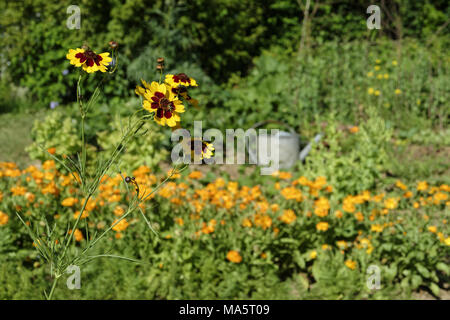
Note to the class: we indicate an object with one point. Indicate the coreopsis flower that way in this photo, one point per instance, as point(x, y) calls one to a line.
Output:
point(175, 80)
point(200, 149)
point(89, 60)
point(160, 99)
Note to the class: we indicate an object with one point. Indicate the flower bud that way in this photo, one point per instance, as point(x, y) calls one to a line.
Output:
point(113, 44)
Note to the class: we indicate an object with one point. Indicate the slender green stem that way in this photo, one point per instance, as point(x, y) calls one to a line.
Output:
point(55, 281)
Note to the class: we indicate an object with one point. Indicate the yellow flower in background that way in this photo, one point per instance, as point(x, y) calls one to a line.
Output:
point(422, 186)
point(432, 229)
point(370, 74)
point(234, 256)
point(400, 185)
point(380, 76)
point(397, 91)
point(288, 216)
point(69, 202)
point(391, 203)
point(378, 61)
point(370, 91)
point(377, 68)
point(175, 80)
point(246, 223)
point(447, 241)
point(394, 62)
point(386, 76)
point(313, 254)
point(199, 149)
point(89, 60)
point(350, 264)
point(377, 92)
point(163, 102)
point(376, 228)
point(322, 226)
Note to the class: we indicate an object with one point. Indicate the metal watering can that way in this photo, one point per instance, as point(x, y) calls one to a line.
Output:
point(289, 146)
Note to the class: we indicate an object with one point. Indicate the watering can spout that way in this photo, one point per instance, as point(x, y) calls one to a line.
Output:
point(308, 147)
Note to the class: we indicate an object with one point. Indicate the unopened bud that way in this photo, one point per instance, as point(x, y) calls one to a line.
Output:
point(159, 67)
point(113, 44)
point(160, 60)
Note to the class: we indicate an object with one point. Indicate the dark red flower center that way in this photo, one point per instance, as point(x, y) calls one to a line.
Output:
point(164, 107)
point(183, 77)
point(195, 143)
point(90, 57)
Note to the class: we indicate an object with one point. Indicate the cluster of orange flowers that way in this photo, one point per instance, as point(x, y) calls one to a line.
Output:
point(27, 186)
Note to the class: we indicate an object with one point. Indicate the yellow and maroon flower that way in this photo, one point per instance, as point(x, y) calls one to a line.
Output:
point(160, 99)
point(89, 60)
point(175, 80)
point(201, 149)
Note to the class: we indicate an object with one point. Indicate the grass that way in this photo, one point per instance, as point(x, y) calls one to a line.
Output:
point(15, 136)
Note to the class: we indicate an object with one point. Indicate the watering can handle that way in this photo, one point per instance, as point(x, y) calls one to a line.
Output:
point(261, 123)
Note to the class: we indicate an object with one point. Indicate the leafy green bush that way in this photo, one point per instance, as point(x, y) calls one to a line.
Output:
point(56, 134)
point(147, 150)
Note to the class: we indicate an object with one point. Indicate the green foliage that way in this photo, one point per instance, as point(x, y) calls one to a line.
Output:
point(147, 149)
point(55, 131)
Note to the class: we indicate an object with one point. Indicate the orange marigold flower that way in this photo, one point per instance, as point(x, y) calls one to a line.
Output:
point(322, 226)
point(4, 218)
point(400, 185)
point(376, 228)
point(234, 256)
point(350, 264)
point(119, 211)
point(359, 216)
point(121, 226)
point(353, 129)
point(69, 202)
point(246, 223)
point(78, 235)
point(195, 175)
point(422, 186)
point(432, 229)
point(288, 216)
point(291, 193)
